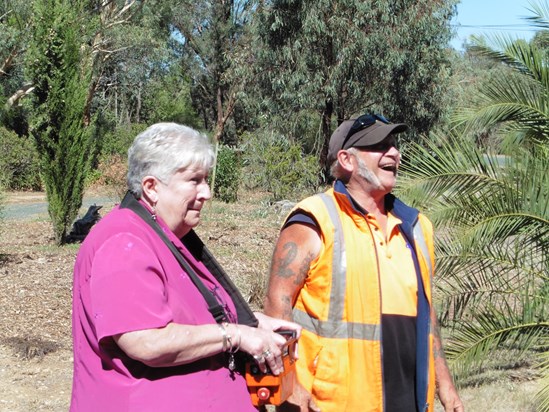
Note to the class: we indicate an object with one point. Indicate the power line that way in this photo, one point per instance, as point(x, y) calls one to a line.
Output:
point(501, 27)
point(492, 25)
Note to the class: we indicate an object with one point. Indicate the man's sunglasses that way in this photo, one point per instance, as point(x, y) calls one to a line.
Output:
point(364, 121)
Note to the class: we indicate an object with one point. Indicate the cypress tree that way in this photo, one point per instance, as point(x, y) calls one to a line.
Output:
point(65, 144)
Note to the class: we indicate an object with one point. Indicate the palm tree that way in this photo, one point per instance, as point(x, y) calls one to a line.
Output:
point(492, 211)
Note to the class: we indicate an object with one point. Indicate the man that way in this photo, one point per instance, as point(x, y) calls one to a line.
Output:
point(353, 266)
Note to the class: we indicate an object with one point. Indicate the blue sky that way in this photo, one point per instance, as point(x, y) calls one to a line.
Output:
point(491, 17)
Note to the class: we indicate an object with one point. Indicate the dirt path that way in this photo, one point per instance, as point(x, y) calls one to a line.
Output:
point(35, 306)
point(29, 205)
point(35, 299)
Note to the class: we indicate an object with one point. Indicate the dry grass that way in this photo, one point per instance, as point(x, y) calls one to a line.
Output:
point(35, 302)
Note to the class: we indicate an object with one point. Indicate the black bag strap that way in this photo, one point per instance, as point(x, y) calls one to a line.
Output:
point(217, 311)
point(201, 253)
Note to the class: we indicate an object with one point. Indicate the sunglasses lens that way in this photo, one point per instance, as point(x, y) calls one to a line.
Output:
point(384, 146)
point(382, 118)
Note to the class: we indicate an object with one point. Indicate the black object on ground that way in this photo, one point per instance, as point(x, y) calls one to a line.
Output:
point(82, 227)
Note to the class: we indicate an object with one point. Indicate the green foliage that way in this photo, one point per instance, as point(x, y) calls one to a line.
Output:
point(118, 140)
point(341, 58)
point(2, 205)
point(18, 162)
point(493, 252)
point(64, 143)
point(274, 164)
point(227, 174)
point(514, 99)
point(212, 36)
point(491, 205)
point(129, 55)
point(14, 34)
point(169, 100)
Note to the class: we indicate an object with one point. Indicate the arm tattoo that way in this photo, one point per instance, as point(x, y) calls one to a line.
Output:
point(304, 269)
point(285, 261)
point(287, 307)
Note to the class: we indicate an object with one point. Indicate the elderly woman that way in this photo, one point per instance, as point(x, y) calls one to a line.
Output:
point(146, 335)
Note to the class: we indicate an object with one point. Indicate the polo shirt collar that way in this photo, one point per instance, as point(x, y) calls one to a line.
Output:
point(339, 187)
point(392, 204)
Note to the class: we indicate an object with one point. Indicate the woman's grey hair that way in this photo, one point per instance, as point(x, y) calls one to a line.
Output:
point(162, 150)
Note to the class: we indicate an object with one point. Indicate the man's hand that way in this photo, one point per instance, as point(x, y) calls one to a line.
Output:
point(449, 398)
point(300, 401)
point(446, 390)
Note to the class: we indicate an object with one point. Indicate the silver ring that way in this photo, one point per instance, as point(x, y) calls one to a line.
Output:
point(259, 358)
point(267, 353)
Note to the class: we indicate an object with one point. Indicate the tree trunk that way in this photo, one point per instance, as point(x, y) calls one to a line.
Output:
point(326, 133)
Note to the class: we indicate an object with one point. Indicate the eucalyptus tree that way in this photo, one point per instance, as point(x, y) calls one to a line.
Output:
point(491, 205)
point(212, 36)
point(14, 34)
point(348, 56)
point(14, 31)
point(129, 52)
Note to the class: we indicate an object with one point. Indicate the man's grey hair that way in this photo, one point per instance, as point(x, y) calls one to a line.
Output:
point(338, 172)
point(162, 150)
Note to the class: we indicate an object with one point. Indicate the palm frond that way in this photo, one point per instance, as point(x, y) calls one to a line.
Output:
point(472, 277)
point(492, 218)
point(516, 99)
point(497, 328)
point(542, 397)
point(540, 16)
point(491, 211)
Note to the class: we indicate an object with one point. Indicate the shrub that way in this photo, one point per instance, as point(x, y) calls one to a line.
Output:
point(111, 170)
point(117, 141)
point(275, 164)
point(227, 174)
point(19, 162)
point(112, 173)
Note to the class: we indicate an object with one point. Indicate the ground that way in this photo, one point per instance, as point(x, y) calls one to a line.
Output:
point(35, 297)
point(36, 284)
point(35, 300)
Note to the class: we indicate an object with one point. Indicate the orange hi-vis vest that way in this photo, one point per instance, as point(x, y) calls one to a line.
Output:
point(339, 307)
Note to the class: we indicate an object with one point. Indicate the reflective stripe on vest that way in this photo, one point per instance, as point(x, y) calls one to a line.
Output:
point(420, 241)
point(334, 327)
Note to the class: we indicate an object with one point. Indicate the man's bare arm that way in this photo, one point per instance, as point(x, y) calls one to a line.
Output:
point(297, 246)
point(446, 390)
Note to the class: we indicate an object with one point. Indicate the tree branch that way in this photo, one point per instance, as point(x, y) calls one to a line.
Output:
point(8, 62)
point(18, 95)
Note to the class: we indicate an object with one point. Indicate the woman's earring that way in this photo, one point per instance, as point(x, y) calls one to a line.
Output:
point(154, 212)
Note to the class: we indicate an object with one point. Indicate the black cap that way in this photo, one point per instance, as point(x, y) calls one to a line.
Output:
point(370, 135)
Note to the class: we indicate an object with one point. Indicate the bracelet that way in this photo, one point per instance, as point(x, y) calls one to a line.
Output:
point(234, 350)
point(229, 337)
point(225, 336)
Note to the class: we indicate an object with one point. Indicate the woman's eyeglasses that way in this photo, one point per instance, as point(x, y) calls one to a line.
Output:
point(364, 121)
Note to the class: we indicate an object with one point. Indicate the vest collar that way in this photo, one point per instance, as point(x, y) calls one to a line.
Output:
point(392, 204)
